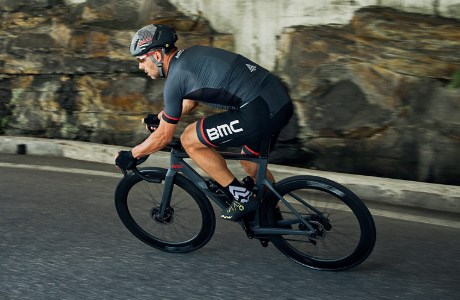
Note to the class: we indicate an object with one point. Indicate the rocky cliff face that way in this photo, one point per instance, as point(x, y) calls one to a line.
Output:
point(66, 71)
point(371, 97)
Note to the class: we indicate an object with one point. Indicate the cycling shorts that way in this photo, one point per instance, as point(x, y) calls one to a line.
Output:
point(246, 127)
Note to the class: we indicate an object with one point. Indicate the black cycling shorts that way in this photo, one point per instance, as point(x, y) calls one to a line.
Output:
point(245, 127)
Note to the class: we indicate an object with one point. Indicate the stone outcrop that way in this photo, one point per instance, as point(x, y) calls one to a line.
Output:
point(371, 97)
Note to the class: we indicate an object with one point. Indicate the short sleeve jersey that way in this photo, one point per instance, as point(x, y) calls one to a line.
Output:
point(215, 76)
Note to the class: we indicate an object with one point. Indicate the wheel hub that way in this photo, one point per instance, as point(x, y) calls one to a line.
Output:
point(166, 219)
point(320, 224)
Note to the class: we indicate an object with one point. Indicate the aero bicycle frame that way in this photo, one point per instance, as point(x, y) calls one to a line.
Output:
point(177, 164)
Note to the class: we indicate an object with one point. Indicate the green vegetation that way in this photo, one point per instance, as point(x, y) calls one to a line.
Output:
point(455, 83)
point(3, 123)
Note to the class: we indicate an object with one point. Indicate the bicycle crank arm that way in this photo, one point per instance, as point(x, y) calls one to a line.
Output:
point(264, 231)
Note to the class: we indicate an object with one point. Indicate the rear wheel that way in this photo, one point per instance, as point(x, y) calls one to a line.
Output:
point(344, 228)
point(188, 223)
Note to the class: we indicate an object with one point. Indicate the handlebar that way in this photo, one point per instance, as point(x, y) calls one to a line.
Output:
point(139, 173)
point(174, 144)
point(143, 177)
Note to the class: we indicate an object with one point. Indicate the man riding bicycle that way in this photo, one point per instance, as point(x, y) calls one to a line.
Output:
point(257, 106)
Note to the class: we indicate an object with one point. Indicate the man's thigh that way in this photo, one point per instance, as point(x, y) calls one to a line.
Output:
point(233, 128)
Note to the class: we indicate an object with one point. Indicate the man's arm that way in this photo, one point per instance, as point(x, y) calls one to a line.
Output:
point(156, 141)
point(163, 134)
point(188, 105)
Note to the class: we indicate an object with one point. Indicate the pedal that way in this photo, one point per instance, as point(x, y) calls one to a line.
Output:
point(264, 242)
point(247, 227)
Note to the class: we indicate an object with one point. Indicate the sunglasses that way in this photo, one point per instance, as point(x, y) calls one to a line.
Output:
point(142, 58)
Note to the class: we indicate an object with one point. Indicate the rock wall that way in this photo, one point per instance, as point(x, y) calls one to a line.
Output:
point(371, 97)
point(66, 71)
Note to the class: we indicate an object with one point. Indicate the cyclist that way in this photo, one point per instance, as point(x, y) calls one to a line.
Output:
point(256, 106)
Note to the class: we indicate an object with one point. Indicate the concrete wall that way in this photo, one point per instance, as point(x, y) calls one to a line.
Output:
point(256, 24)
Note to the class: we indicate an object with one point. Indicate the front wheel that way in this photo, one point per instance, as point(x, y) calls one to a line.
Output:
point(188, 223)
point(344, 230)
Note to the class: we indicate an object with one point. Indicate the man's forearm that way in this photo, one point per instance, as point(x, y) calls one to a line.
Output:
point(152, 144)
point(156, 141)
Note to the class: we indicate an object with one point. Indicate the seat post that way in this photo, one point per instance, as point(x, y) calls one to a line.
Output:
point(263, 164)
point(265, 147)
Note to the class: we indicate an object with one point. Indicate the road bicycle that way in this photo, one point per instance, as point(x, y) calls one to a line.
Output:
point(314, 221)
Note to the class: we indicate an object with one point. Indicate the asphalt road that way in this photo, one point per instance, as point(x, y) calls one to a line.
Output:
point(60, 238)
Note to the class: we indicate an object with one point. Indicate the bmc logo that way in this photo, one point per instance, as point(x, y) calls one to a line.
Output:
point(223, 130)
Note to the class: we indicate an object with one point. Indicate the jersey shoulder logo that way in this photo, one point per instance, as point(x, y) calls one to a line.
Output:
point(251, 67)
point(179, 53)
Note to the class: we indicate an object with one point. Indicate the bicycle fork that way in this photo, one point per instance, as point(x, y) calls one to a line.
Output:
point(167, 192)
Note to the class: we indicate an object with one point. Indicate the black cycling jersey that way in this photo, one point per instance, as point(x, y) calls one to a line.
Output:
point(257, 103)
point(211, 75)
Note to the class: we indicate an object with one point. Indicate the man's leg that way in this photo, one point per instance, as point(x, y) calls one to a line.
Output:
point(215, 166)
point(251, 169)
point(205, 157)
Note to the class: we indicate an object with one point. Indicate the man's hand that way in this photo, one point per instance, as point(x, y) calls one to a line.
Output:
point(151, 122)
point(125, 160)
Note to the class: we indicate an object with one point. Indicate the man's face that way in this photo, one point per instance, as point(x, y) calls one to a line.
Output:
point(146, 64)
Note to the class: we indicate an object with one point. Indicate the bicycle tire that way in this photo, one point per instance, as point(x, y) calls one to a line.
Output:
point(137, 199)
point(339, 205)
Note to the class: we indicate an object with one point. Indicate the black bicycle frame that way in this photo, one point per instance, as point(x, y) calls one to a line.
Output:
point(178, 164)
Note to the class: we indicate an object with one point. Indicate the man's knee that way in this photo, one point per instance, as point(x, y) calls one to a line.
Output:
point(189, 138)
point(185, 137)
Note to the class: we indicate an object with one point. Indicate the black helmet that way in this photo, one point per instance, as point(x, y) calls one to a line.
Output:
point(153, 37)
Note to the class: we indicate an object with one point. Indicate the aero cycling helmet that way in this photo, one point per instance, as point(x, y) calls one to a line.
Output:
point(153, 37)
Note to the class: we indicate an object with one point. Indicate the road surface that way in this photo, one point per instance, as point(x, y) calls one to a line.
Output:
point(60, 238)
